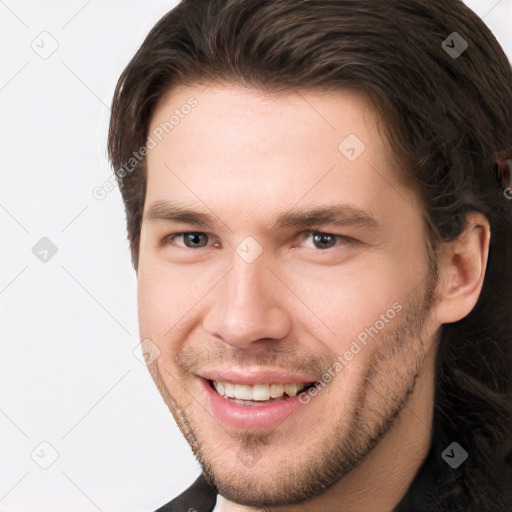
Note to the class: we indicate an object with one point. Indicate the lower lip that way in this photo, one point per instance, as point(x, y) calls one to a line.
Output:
point(247, 417)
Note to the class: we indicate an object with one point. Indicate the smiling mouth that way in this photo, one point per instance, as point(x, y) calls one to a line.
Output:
point(258, 394)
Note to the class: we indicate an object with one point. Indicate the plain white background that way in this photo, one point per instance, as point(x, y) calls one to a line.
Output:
point(74, 394)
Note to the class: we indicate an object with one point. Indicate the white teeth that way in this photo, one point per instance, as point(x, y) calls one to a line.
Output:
point(220, 388)
point(276, 390)
point(260, 392)
point(229, 389)
point(291, 389)
point(245, 402)
point(242, 393)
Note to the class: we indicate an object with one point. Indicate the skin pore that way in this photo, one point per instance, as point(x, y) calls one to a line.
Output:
point(244, 159)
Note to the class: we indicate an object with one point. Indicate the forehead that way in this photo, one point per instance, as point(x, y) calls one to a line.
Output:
point(246, 152)
point(300, 117)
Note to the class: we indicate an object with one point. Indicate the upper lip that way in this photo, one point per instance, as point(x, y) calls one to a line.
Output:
point(254, 375)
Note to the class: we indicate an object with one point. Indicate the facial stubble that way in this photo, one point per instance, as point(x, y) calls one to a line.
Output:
point(387, 386)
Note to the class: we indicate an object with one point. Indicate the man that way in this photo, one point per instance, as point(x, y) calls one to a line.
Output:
point(321, 247)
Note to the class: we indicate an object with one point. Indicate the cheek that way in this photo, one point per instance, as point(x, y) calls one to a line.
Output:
point(169, 298)
point(343, 302)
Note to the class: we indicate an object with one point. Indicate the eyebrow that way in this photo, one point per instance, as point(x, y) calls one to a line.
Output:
point(301, 218)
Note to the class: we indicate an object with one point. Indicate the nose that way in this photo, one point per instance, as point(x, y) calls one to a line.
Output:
point(249, 305)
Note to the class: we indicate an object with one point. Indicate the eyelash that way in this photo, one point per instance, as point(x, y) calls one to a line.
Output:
point(342, 239)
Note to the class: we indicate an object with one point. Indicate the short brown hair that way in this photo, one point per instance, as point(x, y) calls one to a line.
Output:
point(446, 119)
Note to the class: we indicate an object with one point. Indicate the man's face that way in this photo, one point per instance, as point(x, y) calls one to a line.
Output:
point(248, 302)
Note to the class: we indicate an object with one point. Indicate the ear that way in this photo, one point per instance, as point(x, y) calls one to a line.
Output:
point(462, 263)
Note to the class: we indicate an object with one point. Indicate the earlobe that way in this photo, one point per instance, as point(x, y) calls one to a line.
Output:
point(462, 263)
